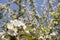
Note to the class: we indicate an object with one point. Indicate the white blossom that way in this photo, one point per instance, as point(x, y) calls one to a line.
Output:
point(53, 34)
point(2, 35)
point(2, 32)
point(18, 23)
point(10, 26)
point(48, 36)
point(27, 31)
point(12, 32)
point(41, 37)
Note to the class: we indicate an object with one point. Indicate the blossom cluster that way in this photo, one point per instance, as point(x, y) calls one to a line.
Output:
point(27, 24)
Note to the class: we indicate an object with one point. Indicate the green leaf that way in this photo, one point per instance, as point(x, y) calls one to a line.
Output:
point(58, 7)
point(58, 19)
point(29, 28)
point(6, 35)
point(35, 39)
point(27, 36)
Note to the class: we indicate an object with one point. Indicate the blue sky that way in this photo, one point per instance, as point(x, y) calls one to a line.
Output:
point(13, 6)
